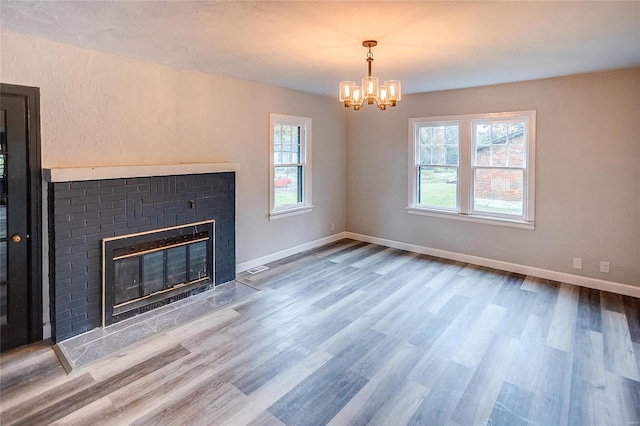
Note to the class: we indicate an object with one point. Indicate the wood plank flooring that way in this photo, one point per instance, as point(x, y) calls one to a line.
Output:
point(355, 334)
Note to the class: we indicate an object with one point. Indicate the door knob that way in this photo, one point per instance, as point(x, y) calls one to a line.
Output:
point(16, 238)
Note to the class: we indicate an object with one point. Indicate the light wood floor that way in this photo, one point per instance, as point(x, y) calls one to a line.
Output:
point(354, 333)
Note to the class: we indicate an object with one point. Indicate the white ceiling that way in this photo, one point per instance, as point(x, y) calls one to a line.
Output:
point(312, 45)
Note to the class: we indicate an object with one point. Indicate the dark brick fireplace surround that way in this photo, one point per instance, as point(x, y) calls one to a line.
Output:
point(83, 212)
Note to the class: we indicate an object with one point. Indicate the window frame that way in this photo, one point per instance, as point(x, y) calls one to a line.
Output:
point(466, 170)
point(305, 125)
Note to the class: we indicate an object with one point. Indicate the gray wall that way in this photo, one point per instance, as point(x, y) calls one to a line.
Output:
point(587, 174)
point(100, 109)
point(106, 110)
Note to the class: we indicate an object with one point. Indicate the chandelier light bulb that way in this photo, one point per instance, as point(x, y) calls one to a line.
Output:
point(357, 98)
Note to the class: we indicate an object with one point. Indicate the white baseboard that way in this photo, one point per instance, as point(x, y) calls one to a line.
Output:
point(594, 283)
point(241, 267)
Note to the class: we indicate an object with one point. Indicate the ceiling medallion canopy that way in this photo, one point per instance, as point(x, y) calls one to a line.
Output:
point(371, 91)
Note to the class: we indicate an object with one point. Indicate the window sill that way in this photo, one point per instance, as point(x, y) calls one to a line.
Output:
point(521, 224)
point(279, 214)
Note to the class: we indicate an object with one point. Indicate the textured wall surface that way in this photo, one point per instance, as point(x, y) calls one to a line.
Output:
point(587, 175)
point(82, 213)
point(104, 110)
point(101, 109)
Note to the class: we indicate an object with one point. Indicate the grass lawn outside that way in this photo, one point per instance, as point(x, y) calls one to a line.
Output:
point(286, 196)
point(434, 189)
point(438, 194)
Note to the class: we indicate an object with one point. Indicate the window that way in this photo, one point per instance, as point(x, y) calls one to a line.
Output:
point(474, 167)
point(290, 169)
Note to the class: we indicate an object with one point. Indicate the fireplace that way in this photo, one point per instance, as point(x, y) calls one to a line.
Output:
point(131, 208)
point(146, 270)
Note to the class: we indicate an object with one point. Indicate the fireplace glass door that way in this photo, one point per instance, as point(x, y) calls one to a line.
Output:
point(154, 268)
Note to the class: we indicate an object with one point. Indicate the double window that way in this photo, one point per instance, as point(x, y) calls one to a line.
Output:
point(476, 167)
point(290, 168)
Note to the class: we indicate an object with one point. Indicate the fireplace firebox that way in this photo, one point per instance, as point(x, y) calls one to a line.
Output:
point(146, 270)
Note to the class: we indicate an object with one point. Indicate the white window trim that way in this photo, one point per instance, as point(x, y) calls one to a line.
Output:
point(464, 204)
point(306, 206)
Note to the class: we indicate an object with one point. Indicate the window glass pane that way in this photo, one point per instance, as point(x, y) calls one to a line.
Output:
point(286, 136)
point(439, 155)
point(498, 156)
point(438, 145)
point(451, 137)
point(498, 133)
point(295, 135)
point(425, 154)
point(483, 134)
point(424, 134)
point(277, 134)
point(483, 155)
point(516, 156)
point(297, 145)
point(452, 156)
point(437, 186)
point(288, 186)
point(516, 132)
point(286, 144)
point(499, 191)
point(295, 149)
point(500, 144)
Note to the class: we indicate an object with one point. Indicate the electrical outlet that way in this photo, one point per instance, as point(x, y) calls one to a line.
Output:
point(605, 267)
point(333, 226)
point(577, 263)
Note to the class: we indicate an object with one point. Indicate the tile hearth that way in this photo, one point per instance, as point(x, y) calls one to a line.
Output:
point(79, 351)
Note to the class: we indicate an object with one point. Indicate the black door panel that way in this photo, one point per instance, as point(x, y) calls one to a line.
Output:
point(20, 279)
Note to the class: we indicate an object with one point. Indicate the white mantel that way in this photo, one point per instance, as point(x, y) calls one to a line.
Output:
point(71, 174)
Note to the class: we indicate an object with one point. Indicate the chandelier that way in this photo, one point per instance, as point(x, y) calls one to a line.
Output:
point(370, 91)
